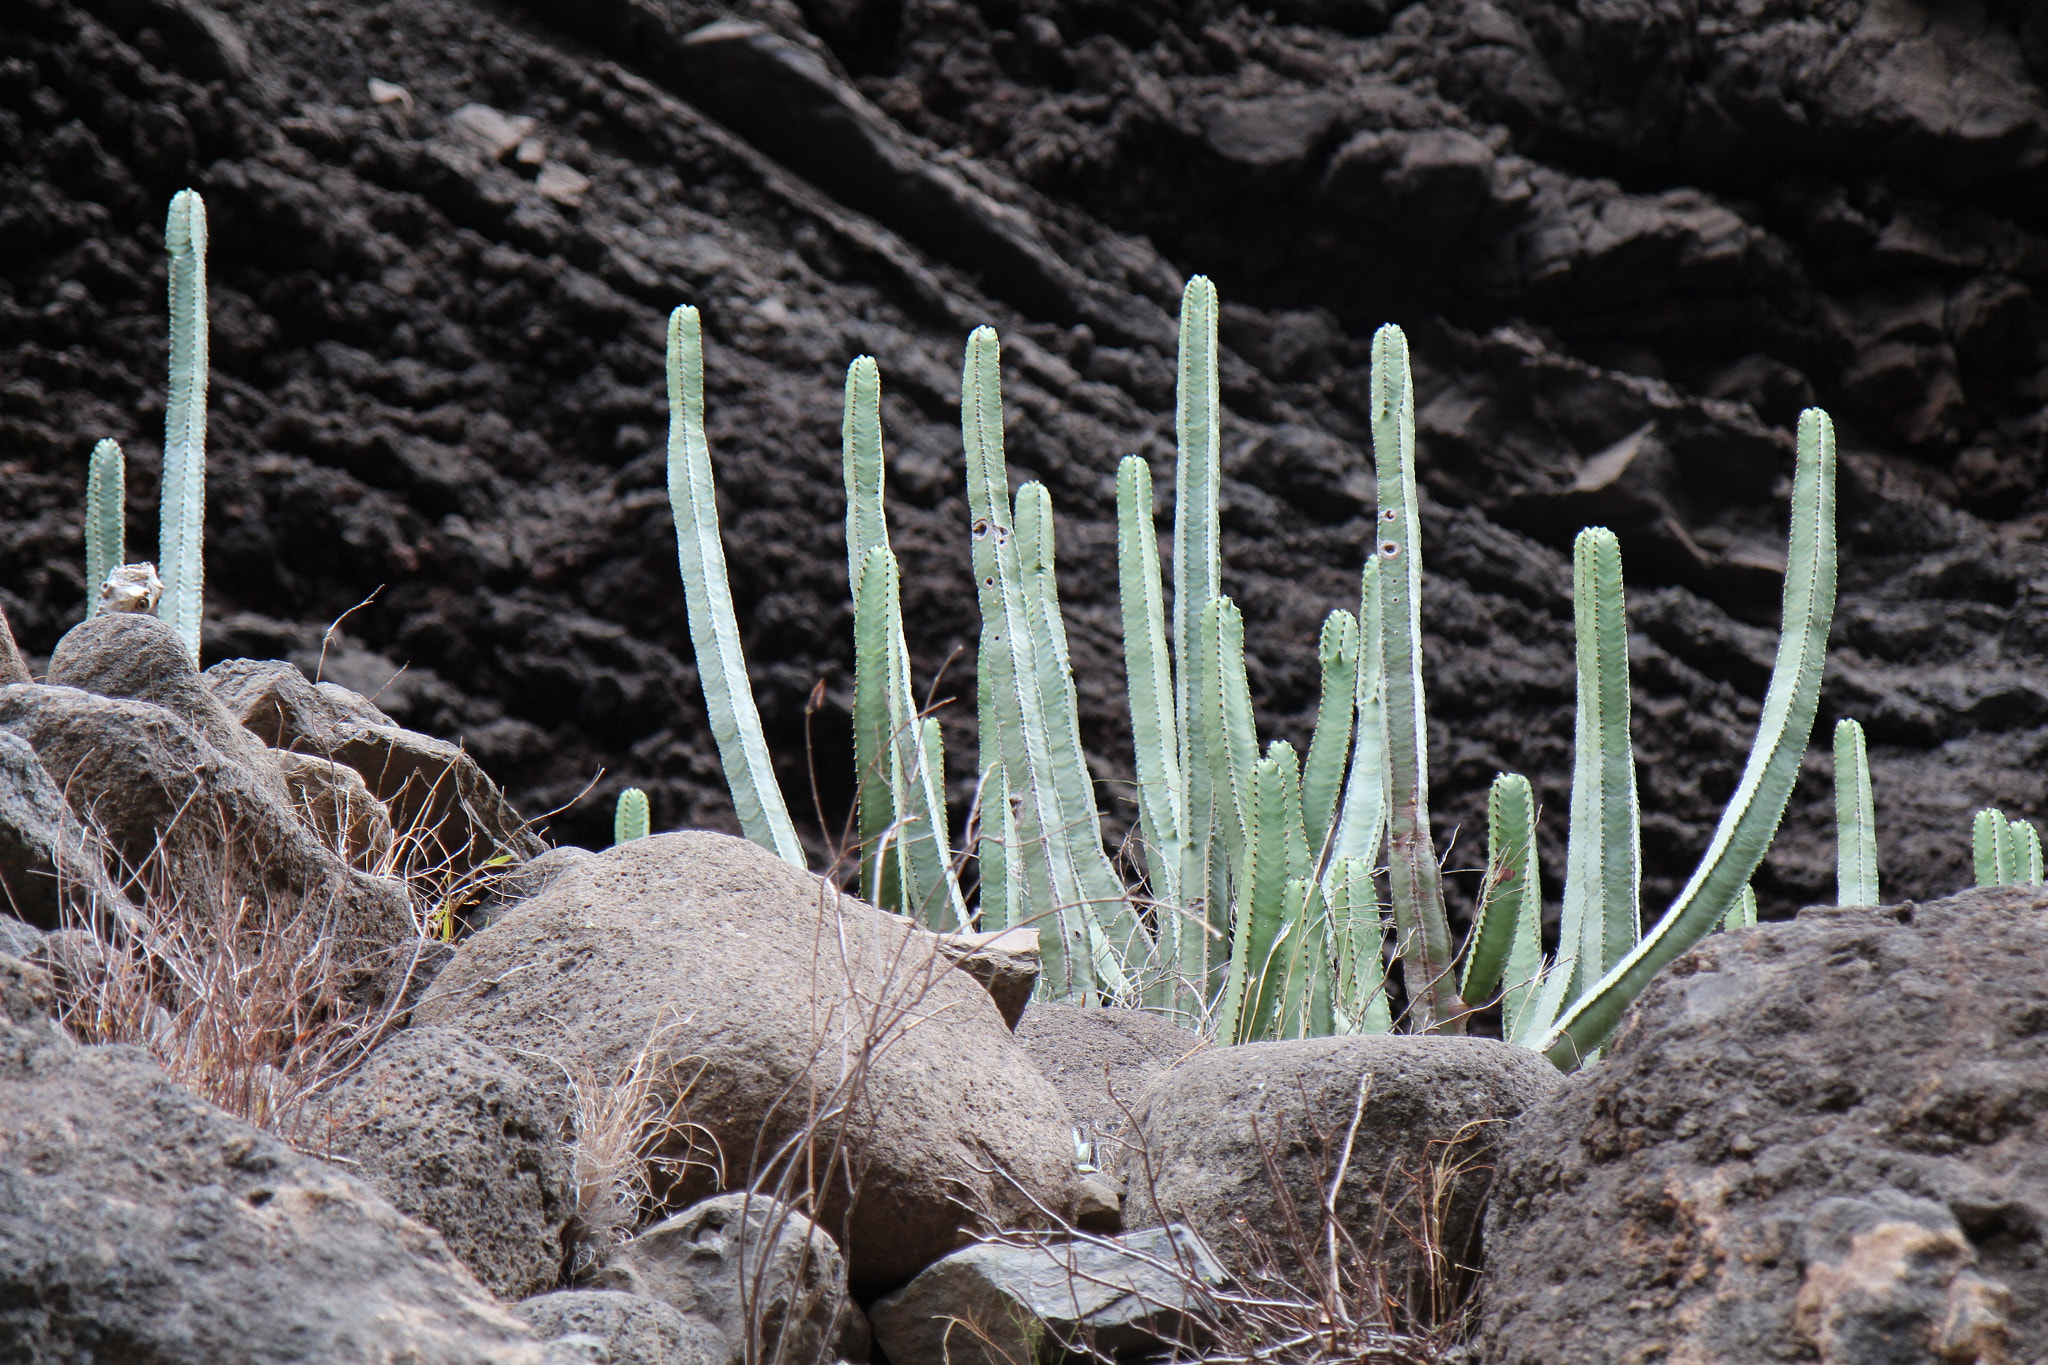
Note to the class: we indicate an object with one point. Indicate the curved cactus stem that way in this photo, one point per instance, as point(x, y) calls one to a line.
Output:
point(1602, 884)
point(1354, 905)
point(1306, 999)
point(1000, 893)
point(876, 716)
point(1155, 741)
point(900, 794)
point(1107, 898)
point(1362, 823)
point(1523, 971)
point(1038, 745)
point(714, 629)
point(1322, 779)
point(180, 548)
point(1751, 818)
point(2026, 853)
point(106, 519)
point(629, 819)
point(1855, 819)
point(1414, 879)
point(1510, 868)
point(1277, 854)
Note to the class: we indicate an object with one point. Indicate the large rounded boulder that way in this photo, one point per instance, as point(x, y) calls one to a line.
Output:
point(1425, 1119)
point(750, 995)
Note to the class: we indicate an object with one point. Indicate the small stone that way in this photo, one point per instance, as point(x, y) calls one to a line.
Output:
point(491, 132)
point(999, 1304)
point(564, 184)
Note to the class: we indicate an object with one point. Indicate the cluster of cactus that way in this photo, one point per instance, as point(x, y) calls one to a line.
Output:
point(1259, 914)
point(2006, 852)
point(182, 498)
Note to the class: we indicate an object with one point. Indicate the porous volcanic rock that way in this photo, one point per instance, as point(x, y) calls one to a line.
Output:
point(138, 1222)
point(1101, 1060)
point(1200, 1136)
point(198, 827)
point(455, 1136)
point(1817, 1140)
point(633, 1330)
point(749, 1264)
point(747, 982)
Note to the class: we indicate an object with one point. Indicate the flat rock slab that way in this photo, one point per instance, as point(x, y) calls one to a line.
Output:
point(998, 1304)
point(1824, 1139)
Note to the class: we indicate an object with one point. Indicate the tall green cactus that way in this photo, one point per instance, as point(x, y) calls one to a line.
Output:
point(1855, 819)
point(183, 494)
point(629, 817)
point(1067, 879)
point(900, 770)
point(106, 519)
point(714, 629)
point(1751, 817)
point(1413, 877)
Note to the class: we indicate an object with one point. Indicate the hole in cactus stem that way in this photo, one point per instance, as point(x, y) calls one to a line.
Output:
point(1390, 549)
point(1388, 515)
point(980, 527)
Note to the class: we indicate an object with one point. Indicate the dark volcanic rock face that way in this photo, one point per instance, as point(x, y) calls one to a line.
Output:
point(1629, 241)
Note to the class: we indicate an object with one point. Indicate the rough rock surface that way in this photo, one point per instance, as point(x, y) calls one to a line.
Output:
point(709, 1262)
point(195, 824)
point(634, 1330)
point(138, 1222)
point(456, 1137)
point(1010, 1305)
point(1642, 230)
point(1101, 1060)
point(704, 950)
point(1196, 1149)
point(1820, 1140)
point(52, 869)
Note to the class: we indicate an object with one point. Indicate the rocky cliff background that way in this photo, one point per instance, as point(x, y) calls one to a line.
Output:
point(1629, 240)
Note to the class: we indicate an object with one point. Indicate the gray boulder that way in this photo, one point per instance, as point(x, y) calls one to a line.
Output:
point(430, 787)
point(1819, 1139)
point(1011, 1305)
point(51, 868)
point(195, 821)
point(455, 1136)
point(137, 1222)
point(750, 986)
point(1101, 1060)
point(1200, 1136)
point(631, 1329)
point(750, 1264)
point(337, 804)
point(139, 657)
